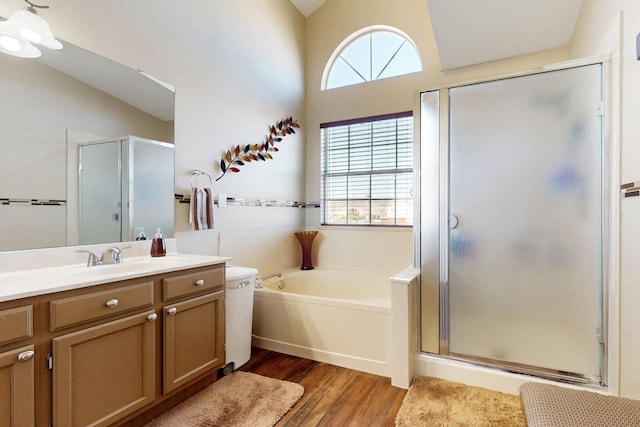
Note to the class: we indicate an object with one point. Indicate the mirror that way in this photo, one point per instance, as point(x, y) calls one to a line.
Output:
point(52, 106)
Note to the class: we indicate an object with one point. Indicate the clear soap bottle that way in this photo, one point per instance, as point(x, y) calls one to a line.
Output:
point(158, 247)
point(141, 234)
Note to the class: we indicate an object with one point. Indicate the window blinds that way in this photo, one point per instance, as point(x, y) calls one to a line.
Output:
point(367, 171)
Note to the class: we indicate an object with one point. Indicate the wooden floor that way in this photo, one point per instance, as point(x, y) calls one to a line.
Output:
point(333, 396)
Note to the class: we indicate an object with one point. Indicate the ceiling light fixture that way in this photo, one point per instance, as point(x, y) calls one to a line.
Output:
point(23, 28)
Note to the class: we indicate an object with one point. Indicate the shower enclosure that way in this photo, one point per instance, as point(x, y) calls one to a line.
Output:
point(513, 223)
point(125, 184)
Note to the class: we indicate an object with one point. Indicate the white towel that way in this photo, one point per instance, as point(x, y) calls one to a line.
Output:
point(201, 209)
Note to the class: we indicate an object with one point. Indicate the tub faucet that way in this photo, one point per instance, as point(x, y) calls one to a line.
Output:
point(269, 276)
point(258, 284)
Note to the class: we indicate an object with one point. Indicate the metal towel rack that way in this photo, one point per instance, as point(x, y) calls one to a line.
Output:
point(198, 173)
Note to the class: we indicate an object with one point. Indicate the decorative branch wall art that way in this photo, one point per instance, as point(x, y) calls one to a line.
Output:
point(240, 155)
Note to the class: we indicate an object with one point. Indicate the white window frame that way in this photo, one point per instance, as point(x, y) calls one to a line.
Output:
point(356, 36)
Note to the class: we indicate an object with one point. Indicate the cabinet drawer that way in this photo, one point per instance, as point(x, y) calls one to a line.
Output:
point(186, 284)
point(83, 308)
point(16, 324)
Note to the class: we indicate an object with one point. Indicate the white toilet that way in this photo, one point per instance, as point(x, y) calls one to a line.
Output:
point(239, 316)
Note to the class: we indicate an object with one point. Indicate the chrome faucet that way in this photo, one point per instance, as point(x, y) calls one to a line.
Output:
point(93, 258)
point(111, 256)
point(258, 284)
point(269, 276)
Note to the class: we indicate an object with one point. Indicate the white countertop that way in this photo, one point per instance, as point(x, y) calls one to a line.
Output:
point(39, 281)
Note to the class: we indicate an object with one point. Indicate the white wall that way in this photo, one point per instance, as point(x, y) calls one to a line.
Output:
point(238, 66)
point(598, 32)
point(326, 29)
point(610, 27)
point(39, 106)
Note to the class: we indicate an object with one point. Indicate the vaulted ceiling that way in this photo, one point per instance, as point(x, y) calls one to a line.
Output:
point(307, 7)
point(469, 32)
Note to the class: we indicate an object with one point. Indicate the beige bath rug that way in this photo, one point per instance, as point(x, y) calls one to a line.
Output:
point(240, 399)
point(436, 402)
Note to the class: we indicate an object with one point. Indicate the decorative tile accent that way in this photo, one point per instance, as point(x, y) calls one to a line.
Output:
point(32, 202)
point(236, 201)
point(630, 189)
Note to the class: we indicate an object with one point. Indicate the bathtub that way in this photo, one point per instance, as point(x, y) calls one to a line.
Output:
point(340, 317)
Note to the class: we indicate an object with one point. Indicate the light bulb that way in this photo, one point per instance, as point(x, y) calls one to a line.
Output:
point(32, 27)
point(31, 35)
point(10, 43)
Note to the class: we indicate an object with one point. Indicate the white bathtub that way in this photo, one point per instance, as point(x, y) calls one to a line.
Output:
point(341, 317)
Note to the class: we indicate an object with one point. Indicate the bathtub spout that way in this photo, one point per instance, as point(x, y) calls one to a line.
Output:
point(269, 276)
point(259, 282)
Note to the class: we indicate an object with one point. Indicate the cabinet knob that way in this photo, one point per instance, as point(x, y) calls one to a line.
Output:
point(113, 303)
point(26, 355)
point(172, 311)
point(152, 317)
point(199, 282)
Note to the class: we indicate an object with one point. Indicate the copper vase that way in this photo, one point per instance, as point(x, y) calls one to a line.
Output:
point(306, 243)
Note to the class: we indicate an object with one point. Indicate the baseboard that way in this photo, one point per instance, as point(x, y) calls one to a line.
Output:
point(375, 367)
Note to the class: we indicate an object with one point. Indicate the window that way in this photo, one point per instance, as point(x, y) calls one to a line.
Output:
point(371, 54)
point(367, 171)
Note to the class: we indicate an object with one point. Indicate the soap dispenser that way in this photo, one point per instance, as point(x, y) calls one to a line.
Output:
point(141, 234)
point(158, 247)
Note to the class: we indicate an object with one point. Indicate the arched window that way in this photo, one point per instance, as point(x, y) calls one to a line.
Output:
point(371, 54)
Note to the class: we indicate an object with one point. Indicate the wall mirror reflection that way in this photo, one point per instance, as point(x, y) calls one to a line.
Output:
point(71, 101)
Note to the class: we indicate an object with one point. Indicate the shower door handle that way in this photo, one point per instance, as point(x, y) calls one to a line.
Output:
point(453, 221)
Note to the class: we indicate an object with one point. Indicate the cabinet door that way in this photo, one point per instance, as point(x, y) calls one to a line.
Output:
point(17, 387)
point(103, 373)
point(193, 339)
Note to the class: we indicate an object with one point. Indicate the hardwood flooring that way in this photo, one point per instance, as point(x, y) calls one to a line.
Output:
point(333, 396)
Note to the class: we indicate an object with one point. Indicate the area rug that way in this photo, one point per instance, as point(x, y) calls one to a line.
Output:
point(437, 402)
point(240, 399)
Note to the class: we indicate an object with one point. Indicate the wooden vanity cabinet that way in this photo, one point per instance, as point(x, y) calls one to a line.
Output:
point(112, 353)
point(120, 349)
point(17, 367)
point(193, 327)
point(193, 339)
point(105, 370)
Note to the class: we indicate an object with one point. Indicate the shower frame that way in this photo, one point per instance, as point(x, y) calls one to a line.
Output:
point(432, 244)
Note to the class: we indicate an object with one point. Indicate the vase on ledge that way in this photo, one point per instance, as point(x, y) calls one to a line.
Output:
point(306, 243)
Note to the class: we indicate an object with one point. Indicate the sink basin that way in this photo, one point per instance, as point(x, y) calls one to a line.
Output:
point(131, 266)
point(107, 269)
point(37, 281)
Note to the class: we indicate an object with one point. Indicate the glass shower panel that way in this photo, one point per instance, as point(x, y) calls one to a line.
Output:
point(525, 189)
point(100, 190)
point(150, 178)
point(430, 255)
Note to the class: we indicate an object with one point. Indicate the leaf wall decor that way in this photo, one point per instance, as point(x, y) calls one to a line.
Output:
point(241, 155)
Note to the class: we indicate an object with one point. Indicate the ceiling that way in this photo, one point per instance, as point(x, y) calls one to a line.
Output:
point(134, 87)
point(469, 32)
point(307, 7)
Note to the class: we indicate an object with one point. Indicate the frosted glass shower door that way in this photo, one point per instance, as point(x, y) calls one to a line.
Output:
point(100, 193)
point(148, 173)
point(525, 232)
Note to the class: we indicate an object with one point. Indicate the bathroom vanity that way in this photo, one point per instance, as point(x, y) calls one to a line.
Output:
point(101, 345)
